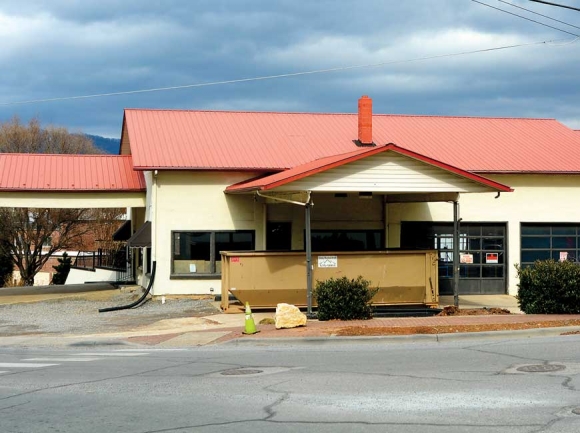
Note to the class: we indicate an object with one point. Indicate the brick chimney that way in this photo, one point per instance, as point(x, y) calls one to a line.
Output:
point(365, 121)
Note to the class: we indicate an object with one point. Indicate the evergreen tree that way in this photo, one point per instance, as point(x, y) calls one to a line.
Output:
point(62, 269)
point(6, 267)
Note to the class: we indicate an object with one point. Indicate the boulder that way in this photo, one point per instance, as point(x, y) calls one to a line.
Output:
point(289, 316)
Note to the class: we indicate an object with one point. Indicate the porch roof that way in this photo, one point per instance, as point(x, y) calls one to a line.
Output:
point(74, 173)
point(142, 237)
point(288, 179)
point(70, 181)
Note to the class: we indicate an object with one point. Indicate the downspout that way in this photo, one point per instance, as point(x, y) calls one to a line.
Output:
point(153, 261)
point(138, 301)
point(154, 219)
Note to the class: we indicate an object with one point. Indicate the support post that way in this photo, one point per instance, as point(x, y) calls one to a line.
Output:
point(456, 253)
point(308, 245)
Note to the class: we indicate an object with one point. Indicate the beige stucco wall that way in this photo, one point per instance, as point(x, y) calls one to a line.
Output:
point(190, 201)
point(536, 198)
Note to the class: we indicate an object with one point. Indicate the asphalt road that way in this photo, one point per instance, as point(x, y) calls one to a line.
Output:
point(461, 386)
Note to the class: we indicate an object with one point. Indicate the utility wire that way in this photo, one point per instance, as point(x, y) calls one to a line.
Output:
point(556, 4)
point(536, 13)
point(525, 18)
point(292, 74)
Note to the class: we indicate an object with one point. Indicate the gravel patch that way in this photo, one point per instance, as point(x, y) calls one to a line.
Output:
point(81, 316)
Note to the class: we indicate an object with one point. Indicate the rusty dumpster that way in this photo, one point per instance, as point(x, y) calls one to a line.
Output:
point(266, 278)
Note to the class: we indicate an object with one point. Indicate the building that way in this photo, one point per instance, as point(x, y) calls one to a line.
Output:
point(210, 181)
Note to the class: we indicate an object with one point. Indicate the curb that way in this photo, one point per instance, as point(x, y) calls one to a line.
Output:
point(413, 338)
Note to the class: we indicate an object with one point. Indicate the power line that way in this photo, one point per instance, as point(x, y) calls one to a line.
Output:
point(525, 18)
point(556, 4)
point(291, 74)
point(536, 13)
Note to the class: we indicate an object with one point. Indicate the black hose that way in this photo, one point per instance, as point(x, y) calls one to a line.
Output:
point(138, 301)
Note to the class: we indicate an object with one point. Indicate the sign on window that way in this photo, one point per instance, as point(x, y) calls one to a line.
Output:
point(491, 258)
point(466, 258)
point(328, 261)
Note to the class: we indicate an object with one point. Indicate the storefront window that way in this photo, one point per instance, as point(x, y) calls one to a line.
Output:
point(347, 240)
point(199, 252)
point(549, 241)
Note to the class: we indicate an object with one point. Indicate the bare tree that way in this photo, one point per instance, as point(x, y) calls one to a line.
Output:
point(105, 224)
point(17, 137)
point(31, 236)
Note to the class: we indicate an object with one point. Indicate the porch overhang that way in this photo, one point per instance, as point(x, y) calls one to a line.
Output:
point(390, 170)
point(70, 181)
point(142, 237)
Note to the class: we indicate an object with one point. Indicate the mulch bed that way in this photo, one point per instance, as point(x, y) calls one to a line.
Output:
point(455, 311)
point(376, 331)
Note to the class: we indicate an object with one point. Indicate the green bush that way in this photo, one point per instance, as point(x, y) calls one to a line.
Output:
point(549, 287)
point(344, 299)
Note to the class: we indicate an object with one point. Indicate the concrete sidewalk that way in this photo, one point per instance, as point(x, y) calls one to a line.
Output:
point(221, 328)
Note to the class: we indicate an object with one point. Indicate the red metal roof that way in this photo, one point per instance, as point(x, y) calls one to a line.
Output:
point(42, 172)
point(222, 140)
point(323, 164)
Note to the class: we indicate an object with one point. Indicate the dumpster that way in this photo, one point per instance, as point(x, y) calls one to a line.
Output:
point(266, 278)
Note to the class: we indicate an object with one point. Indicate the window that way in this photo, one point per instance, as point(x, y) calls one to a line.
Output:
point(148, 269)
point(197, 253)
point(549, 241)
point(347, 240)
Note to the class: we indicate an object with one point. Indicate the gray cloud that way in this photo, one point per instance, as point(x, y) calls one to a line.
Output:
point(66, 48)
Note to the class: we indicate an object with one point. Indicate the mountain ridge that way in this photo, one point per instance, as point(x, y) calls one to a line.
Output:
point(108, 145)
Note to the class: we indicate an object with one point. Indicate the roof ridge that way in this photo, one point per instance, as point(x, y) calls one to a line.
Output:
point(444, 116)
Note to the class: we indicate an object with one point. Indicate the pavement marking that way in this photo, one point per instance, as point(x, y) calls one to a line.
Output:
point(62, 359)
point(23, 365)
point(157, 349)
point(113, 354)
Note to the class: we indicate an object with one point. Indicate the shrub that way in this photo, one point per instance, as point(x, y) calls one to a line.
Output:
point(549, 287)
point(344, 299)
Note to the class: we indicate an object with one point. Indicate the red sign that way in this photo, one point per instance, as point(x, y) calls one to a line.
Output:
point(491, 258)
point(235, 260)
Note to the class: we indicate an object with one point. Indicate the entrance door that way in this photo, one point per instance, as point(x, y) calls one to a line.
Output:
point(482, 254)
point(279, 236)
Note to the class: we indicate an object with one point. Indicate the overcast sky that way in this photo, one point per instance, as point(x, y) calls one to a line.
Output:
point(64, 48)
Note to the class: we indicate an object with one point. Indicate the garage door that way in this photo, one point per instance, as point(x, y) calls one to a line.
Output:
point(482, 254)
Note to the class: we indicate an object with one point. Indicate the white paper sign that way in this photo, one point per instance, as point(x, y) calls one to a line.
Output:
point(563, 256)
point(328, 261)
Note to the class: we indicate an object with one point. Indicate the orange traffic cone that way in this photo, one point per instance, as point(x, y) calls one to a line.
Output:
point(250, 325)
